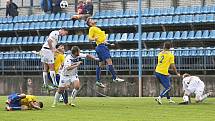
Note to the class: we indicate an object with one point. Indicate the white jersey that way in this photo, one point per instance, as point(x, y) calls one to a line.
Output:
point(54, 37)
point(192, 83)
point(70, 59)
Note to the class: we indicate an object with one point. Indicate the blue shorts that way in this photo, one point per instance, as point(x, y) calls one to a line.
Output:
point(164, 79)
point(103, 52)
point(57, 77)
point(14, 100)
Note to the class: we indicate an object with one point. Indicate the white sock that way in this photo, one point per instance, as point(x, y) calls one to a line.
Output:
point(203, 97)
point(56, 97)
point(53, 76)
point(186, 98)
point(45, 78)
point(74, 93)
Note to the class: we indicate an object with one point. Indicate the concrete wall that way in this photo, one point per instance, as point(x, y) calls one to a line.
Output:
point(151, 86)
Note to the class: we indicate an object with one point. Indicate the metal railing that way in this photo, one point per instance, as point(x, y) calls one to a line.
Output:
point(124, 61)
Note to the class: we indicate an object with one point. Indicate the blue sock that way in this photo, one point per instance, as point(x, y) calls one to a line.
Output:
point(65, 96)
point(111, 69)
point(98, 73)
point(15, 108)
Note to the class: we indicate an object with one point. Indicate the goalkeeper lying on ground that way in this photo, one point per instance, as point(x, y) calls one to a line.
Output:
point(22, 102)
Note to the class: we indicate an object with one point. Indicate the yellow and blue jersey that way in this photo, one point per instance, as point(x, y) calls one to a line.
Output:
point(59, 60)
point(165, 59)
point(26, 101)
point(95, 32)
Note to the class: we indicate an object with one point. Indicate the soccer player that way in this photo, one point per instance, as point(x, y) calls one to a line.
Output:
point(69, 74)
point(22, 102)
point(47, 55)
point(99, 36)
point(193, 84)
point(165, 60)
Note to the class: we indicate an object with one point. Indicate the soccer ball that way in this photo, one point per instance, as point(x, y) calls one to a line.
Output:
point(64, 4)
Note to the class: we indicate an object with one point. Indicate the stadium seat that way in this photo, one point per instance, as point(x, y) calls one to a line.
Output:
point(119, 13)
point(184, 35)
point(63, 39)
point(149, 20)
point(86, 39)
point(75, 38)
point(176, 19)
point(76, 24)
point(145, 12)
point(156, 36)
point(25, 19)
point(59, 16)
point(170, 35)
point(212, 9)
point(82, 24)
point(47, 25)
point(197, 18)
point(130, 21)
point(155, 20)
point(42, 25)
point(189, 18)
point(171, 11)
point(150, 36)
point(144, 36)
point(117, 22)
point(124, 37)
point(24, 40)
point(9, 40)
point(198, 35)
point(5, 27)
point(37, 18)
point(81, 38)
point(162, 20)
point(205, 34)
point(182, 18)
point(118, 37)
point(157, 11)
point(53, 25)
point(111, 37)
point(136, 37)
point(9, 20)
point(14, 40)
point(15, 19)
point(151, 12)
point(59, 24)
point(177, 35)
point(35, 40)
point(212, 34)
point(191, 35)
point(178, 10)
point(99, 22)
point(168, 19)
point(69, 39)
point(70, 24)
point(197, 9)
point(67, 16)
point(205, 9)
point(10, 27)
point(26, 26)
point(19, 40)
point(31, 27)
point(130, 37)
point(30, 40)
point(210, 18)
point(112, 22)
point(203, 18)
point(41, 40)
point(184, 10)
point(52, 17)
point(163, 36)
point(46, 17)
point(102, 14)
point(30, 18)
point(105, 22)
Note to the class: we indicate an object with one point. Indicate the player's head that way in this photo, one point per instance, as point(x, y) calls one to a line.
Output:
point(63, 31)
point(185, 75)
point(90, 22)
point(39, 104)
point(60, 48)
point(167, 46)
point(75, 50)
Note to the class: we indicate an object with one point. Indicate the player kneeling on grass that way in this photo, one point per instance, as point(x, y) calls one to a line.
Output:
point(193, 84)
point(69, 74)
point(22, 102)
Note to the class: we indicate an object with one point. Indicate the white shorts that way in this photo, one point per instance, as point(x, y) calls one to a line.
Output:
point(47, 56)
point(67, 80)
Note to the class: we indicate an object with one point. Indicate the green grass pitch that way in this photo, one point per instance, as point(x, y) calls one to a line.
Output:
point(114, 109)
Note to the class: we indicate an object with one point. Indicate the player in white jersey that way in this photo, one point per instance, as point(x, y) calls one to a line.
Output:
point(69, 74)
point(47, 54)
point(193, 84)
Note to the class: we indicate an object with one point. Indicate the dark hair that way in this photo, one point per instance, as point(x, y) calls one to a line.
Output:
point(88, 21)
point(167, 45)
point(75, 49)
point(186, 75)
point(40, 104)
point(57, 46)
point(65, 29)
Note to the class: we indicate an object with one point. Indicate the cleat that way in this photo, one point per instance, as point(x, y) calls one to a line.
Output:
point(99, 84)
point(72, 104)
point(158, 100)
point(118, 80)
point(53, 105)
point(7, 108)
point(184, 103)
point(171, 101)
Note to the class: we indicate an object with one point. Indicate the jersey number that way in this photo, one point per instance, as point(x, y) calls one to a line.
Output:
point(162, 58)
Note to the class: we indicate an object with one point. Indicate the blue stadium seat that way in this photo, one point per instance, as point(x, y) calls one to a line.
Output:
point(119, 13)
point(69, 39)
point(35, 40)
point(14, 40)
point(157, 11)
point(149, 20)
point(184, 35)
point(205, 34)
point(171, 11)
point(163, 36)
point(176, 19)
point(184, 10)
point(75, 38)
point(156, 36)
point(178, 10)
point(42, 25)
point(37, 18)
point(205, 9)
point(9, 40)
point(76, 24)
point(96, 15)
point(32, 25)
point(70, 24)
point(1, 27)
point(47, 25)
point(46, 17)
point(105, 22)
point(162, 20)
point(52, 17)
point(86, 39)
point(130, 21)
point(81, 38)
point(4, 20)
point(63, 39)
point(163, 11)
point(1, 19)
point(108, 14)
point(9, 20)
point(25, 40)
point(144, 36)
point(53, 25)
point(25, 18)
point(197, 18)
point(10, 27)
point(197, 9)
point(182, 18)
point(168, 19)
point(177, 35)
point(111, 38)
point(198, 35)
point(99, 22)
point(152, 11)
point(30, 40)
point(210, 18)
point(41, 40)
point(155, 20)
point(117, 22)
point(65, 24)
point(118, 37)
point(124, 37)
point(150, 36)
point(143, 21)
point(82, 24)
point(15, 19)
point(102, 14)
point(112, 22)
point(145, 12)
point(170, 35)
point(212, 34)
point(30, 18)
point(59, 24)
point(212, 10)
point(26, 26)
point(123, 22)
point(19, 40)
point(191, 35)
point(189, 18)
point(21, 26)
point(130, 37)
point(203, 18)
point(67, 16)
point(136, 37)
point(5, 27)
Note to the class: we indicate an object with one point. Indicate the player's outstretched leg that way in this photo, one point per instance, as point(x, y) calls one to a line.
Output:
point(98, 74)
point(112, 71)
point(57, 96)
point(75, 92)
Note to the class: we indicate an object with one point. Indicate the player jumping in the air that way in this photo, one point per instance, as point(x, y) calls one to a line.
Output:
point(47, 55)
point(69, 74)
point(165, 60)
point(193, 84)
point(22, 102)
point(99, 36)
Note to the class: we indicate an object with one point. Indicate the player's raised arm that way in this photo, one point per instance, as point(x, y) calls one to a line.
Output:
point(174, 69)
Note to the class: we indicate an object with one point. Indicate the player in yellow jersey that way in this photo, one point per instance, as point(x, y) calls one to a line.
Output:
point(22, 102)
point(99, 36)
point(165, 60)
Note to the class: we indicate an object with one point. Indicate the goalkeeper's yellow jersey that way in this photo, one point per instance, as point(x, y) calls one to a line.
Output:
point(95, 32)
point(29, 98)
point(165, 59)
point(59, 60)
